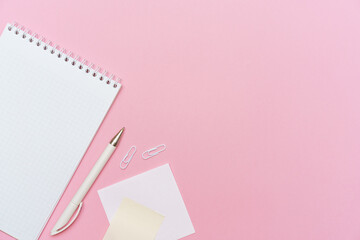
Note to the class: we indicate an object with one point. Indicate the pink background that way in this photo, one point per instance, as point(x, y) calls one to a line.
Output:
point(257, 101)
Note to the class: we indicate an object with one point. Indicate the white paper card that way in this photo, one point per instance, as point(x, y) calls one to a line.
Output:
point(155, 189)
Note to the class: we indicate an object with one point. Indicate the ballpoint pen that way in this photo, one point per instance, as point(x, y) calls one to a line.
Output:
point(76, 202)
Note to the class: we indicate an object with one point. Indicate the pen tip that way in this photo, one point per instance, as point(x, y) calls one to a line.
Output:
point(121, 131)
point(116, 138)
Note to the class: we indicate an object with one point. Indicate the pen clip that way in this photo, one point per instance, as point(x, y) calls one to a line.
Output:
point(71, 221)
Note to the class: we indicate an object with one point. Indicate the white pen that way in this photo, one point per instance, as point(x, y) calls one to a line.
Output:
point(76, 202)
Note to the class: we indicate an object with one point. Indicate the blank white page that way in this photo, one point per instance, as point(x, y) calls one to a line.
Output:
point(157, 190)
point(49, 112)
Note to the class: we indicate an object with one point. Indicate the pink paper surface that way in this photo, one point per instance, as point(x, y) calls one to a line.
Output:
point(257, 102)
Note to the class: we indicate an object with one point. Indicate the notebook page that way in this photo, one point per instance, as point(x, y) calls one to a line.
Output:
point(50, 111)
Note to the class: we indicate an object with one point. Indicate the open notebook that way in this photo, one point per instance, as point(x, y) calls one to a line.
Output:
point(50, 109)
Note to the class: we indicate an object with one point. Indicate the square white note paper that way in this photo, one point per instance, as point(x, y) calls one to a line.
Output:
point(155, 189)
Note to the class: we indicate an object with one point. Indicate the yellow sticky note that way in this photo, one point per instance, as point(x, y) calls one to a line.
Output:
point(133, 221)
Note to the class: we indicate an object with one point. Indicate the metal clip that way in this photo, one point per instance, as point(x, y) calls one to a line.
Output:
point(124, 163)
point(152, 152)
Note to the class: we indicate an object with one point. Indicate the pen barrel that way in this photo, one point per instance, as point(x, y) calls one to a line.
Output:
point(94, 173)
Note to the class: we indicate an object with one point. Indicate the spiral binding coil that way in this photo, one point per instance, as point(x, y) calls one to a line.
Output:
point(62, 53)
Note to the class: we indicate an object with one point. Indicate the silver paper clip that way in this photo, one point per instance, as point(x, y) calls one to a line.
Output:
point(153, 151)
point(124, 163)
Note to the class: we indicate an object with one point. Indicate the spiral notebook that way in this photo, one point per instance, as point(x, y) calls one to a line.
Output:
point(51, 106)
